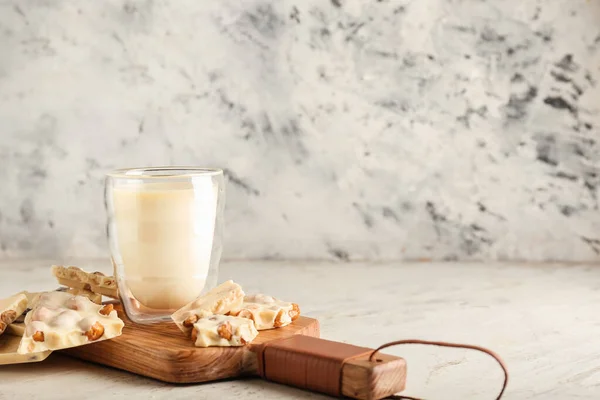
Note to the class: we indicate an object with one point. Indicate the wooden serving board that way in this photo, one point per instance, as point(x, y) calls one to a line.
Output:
point(295, 356)
point(161, 351)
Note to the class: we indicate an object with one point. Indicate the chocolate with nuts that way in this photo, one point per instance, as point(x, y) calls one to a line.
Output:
point(267, 312)
point(10, 309)
point(77, 278)
point(223, 330)
point(219, 301)
point(60, 320)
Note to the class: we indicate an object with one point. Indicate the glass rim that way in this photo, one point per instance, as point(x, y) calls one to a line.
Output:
point(159, 172)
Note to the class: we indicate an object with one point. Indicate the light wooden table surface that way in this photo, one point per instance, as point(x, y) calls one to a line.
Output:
point(543, 319)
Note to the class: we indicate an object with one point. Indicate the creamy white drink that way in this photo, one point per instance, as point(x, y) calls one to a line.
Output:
point(164, 233)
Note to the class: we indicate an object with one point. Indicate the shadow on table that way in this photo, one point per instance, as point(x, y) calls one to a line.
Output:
point(61, 365)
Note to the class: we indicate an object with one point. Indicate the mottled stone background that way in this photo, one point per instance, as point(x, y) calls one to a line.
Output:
point(430, 129)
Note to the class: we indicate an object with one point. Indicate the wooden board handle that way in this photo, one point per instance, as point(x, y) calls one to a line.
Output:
point(333, 368)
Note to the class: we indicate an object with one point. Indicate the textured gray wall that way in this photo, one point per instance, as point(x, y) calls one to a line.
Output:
point(350, 129)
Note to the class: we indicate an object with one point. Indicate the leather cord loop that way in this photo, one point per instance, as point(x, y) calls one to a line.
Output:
point(317, 364)
point(447, 344)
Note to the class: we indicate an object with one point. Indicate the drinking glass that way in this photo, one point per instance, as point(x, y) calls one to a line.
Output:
point(165, 232)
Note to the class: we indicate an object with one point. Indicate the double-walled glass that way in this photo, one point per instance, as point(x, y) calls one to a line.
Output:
point(165, 231)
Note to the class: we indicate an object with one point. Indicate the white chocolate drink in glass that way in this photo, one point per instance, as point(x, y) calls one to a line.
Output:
point(165, 232)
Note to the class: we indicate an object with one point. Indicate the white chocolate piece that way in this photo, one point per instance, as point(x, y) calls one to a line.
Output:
point(267, 312)
point(96, 282)
point(11, 308)
point(220, 300)
point(16, 329)
point(8, 352)
point(31, 297)
point(60, 320)
point(223, 330)
point(94, 297)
